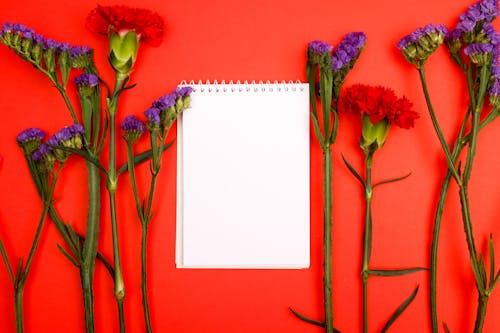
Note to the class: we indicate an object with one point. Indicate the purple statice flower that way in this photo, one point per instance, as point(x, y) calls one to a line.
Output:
point(77, 51)
point(21, 28)
point(133, 128)
point(428, 31)
point(39, 39)
point(51, 44)
point(478, 48)
point(42, 153)
point(347, 50)
point(132, 123)
point(76, 129)
point(87, 79)
point(491, 34)
point(7, 27)
point(63, 47)
point(319, 47)
point(165, 101)
point(183, 91)
point(454, 34)
point(494, 93)
point(153, 115)
point(482, 11)
point(30, 134)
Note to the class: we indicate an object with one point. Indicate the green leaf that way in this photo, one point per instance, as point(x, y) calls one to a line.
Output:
point(6, 261)
point(68, 256)
point(335, 127)
point(353, 171)
point(306, 319)
point(446, 328)
point(310, 70)
point(142, 157)
point(317, 130)
point(393, 180)
point(396, 272)
point(82, 154)
point(103, 135)
point(492, 259)
point(400, 310)
point(75, 245)
point(482, 271)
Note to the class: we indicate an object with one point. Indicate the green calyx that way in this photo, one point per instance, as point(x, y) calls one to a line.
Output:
point(123, 48)
point(373, 135)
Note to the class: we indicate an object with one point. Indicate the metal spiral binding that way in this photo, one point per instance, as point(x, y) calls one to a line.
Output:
point(246, 86)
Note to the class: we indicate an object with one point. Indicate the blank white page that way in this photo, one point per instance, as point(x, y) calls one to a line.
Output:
point(243, 177)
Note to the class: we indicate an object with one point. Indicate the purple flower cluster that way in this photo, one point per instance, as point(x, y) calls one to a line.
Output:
point(43, 153)
point(132, 124)
point(348, 50)
point(183, 91)
point(66, 134)
point(133, 128)
point(153, 115)
point(165, 101)
point(47, 43)
point(429, 31)
point(478, 48)
point(30, 134)
point(482, 11)
point(319, 47)
point(87, 79)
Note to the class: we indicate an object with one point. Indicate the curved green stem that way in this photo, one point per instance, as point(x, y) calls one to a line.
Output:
point(367, 238)
point(327, 240)
point(437, 128)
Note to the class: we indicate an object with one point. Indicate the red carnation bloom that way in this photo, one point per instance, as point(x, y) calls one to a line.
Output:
point(378, 103)
point(148, 25)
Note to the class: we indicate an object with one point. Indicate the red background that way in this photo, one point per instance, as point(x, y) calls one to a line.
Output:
point(252, 40)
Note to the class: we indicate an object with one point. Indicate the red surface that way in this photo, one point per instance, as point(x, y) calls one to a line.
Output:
point(252, 40)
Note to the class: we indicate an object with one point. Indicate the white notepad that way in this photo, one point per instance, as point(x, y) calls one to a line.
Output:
point(243, 177)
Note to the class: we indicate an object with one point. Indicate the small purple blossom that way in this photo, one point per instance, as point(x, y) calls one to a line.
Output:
point(416, 35)
point(478, 48)
point(88, 79)
point(30, 134)
point(39, 39)
point(482, 11)
point(42, 152)
point(319, 47)
point(183, 91)
point(51, 44)
point(77, 51)
point(7, 27)
point(495, 88)
point(76, 129)
point(454, 34)
point(347, 50)
point(63, 47)
point(165, 101)
point(132, 123)
point(153, 115)
point(492, 34)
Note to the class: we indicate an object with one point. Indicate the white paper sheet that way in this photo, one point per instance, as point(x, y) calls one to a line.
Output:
point(243, 177)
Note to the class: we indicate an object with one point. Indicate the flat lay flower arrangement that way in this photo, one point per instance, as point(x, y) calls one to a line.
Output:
point(472, 45)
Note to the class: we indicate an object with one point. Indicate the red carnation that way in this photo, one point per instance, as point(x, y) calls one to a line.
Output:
point(378, 103)
point(148, 25)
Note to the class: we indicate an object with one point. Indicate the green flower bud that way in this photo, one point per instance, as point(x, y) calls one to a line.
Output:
point(373, 135)
point(123, 48)
point(36, 53)
point(49, 59)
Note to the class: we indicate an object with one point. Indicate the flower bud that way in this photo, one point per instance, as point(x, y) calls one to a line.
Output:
point(133, 128)
point(30, 139)
point(123, 48)
point(373, 135)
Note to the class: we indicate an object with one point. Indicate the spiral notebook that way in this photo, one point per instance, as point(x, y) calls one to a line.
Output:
point(243, 177)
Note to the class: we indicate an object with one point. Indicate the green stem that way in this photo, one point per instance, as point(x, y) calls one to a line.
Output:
point(481, 313)
point(145, 304)
point(131, 171)
point(112, 183)
point(457, 149)
point(437, 128)
point(327, 239)
point(90, 246)
point(23, 275)
point(367, 238)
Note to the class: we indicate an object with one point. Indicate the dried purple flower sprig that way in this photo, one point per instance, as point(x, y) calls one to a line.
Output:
point(421, 43)
point(163, 111)
point(47, 153)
